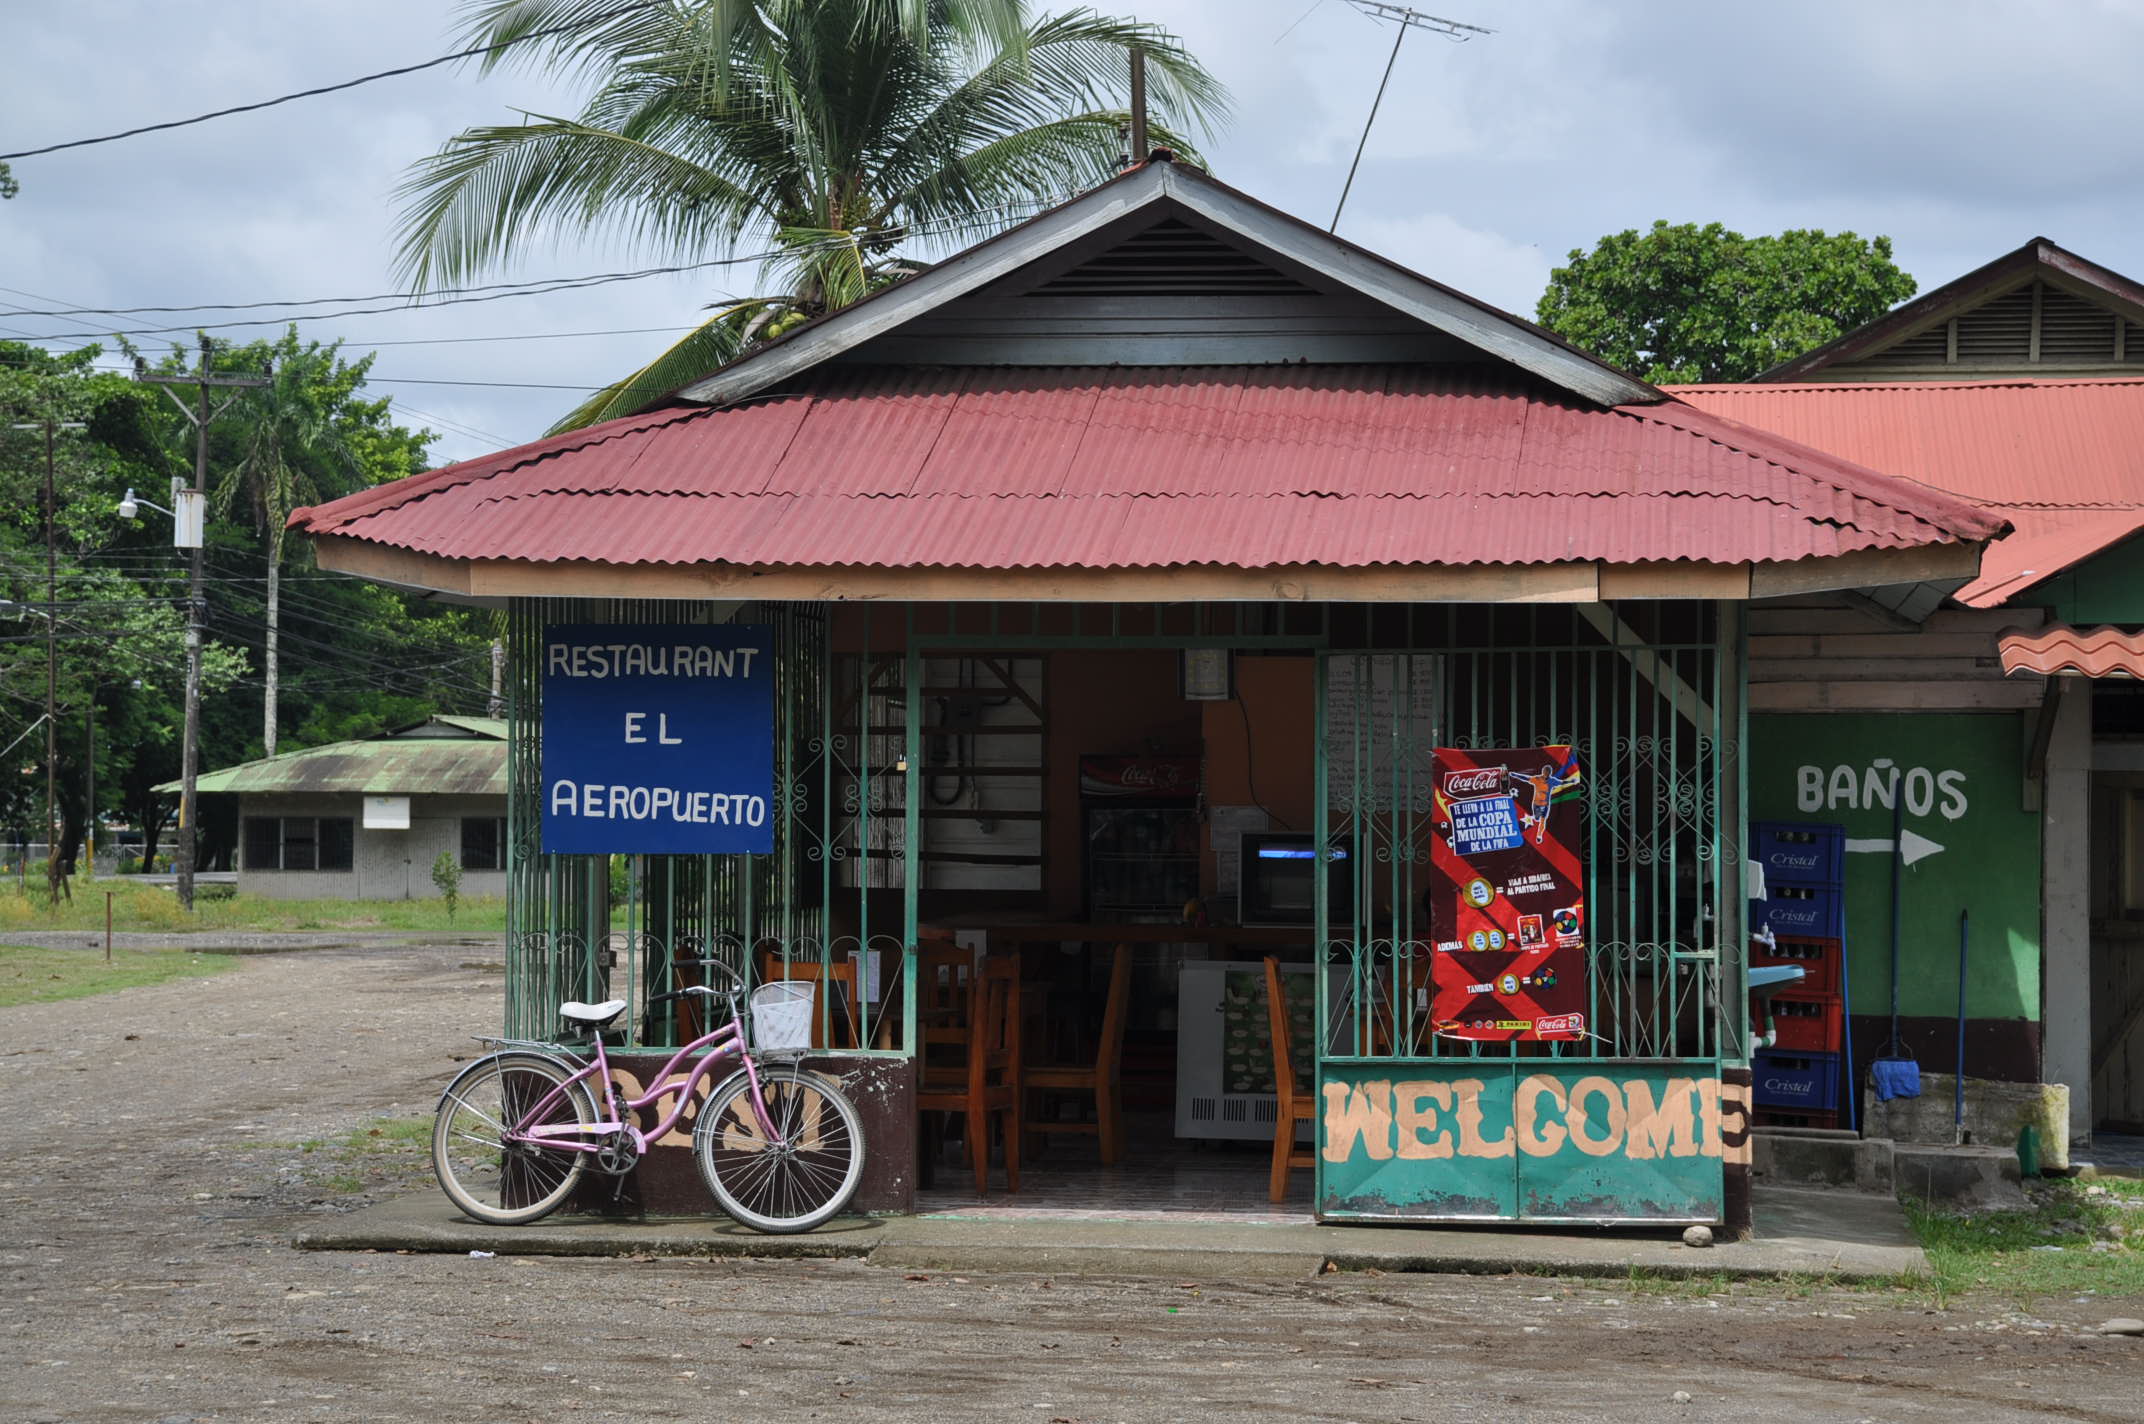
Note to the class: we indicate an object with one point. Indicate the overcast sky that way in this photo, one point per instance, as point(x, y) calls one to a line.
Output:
point(1960, 128)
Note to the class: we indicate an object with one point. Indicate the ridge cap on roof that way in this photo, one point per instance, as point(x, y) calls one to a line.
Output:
point(1765, 387)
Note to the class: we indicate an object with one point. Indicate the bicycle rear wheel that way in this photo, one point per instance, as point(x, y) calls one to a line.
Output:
point(800, 1177)
point(494, 1180)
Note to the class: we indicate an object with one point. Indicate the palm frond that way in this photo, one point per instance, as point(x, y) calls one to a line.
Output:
point(491, 189)
point(712, 344)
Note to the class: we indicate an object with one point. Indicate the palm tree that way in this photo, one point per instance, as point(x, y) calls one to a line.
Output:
point(294, 452)
point(835, 134)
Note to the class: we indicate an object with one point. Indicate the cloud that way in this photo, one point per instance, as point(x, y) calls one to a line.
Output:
point(1486, 265)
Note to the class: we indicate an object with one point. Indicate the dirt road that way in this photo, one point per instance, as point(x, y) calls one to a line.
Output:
point(153, 1178)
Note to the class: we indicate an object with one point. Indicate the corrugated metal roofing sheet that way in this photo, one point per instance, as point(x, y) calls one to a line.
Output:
point(2052, 444)
point(2062, 460)
point(1125, 468)
point(2059, 648)
point(384, 766)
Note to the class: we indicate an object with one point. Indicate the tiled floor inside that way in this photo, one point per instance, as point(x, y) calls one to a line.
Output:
point(1160, 1179)
point(2115, 1151)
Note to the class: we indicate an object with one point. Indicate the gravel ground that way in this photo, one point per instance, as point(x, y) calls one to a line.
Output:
point(155, 1170)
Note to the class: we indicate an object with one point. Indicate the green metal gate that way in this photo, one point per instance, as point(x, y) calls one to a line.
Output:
point(1623, 1125)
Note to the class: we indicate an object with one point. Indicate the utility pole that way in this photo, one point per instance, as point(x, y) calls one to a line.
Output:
point(189, 515)
point(1139, 147)
point(1406, 19)
point(55, 883)
point(496, 707)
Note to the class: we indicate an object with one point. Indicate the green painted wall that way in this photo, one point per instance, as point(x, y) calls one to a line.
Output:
point(1964, 783)
point(2106, 588)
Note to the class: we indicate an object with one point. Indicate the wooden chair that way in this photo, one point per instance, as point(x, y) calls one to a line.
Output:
point(1293, 1104)
point(1101, 1079)
point(986, 1083)
point(840, 973)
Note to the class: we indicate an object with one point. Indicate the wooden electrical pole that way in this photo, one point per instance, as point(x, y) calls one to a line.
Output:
point(55, 883)
point(189, 518)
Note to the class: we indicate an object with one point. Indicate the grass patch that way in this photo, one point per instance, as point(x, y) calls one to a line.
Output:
point(386, 1149)
point(156, 908)
point(2072, 1239)
point(36, 976)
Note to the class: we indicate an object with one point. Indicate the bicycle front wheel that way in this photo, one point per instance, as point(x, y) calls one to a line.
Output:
point(492, 1176)
point(798, 1177)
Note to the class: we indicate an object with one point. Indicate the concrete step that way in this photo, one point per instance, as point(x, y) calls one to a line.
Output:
point(1938, 1172)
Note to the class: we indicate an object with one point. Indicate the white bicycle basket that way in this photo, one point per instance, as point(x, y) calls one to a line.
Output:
point(781, 1016)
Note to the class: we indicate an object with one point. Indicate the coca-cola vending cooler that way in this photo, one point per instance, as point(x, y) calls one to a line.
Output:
point(1140, 822)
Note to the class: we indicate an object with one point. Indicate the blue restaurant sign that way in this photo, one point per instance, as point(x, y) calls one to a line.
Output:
point(658, 739)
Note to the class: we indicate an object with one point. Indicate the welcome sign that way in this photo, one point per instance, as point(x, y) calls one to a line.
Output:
point(658, 739)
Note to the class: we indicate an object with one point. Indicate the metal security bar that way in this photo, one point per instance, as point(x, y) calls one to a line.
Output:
point(1651, 703)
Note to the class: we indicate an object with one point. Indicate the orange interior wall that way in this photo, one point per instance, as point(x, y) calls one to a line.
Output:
point(1277, 696)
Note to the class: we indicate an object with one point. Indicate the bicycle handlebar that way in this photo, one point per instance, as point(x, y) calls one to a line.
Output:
point(736, 980)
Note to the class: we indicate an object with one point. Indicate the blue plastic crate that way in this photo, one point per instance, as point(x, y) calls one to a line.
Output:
point(1807, 1082)
point(1799, 853)
point(1800, 911)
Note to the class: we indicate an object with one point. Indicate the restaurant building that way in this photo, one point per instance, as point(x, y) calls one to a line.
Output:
point(1099, 586)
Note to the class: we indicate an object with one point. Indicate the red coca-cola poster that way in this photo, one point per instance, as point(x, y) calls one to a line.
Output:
point(1508, 895)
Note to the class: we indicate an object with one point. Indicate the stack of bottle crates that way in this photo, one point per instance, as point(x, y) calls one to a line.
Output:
point(1797, 1077)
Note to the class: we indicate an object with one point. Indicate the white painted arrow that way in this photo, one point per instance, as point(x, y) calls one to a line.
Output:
point(1917, 846)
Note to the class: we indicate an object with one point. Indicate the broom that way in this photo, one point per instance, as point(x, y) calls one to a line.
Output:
point(1894, 1073)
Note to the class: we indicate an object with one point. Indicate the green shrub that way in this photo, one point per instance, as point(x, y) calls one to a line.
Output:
point(447, 878)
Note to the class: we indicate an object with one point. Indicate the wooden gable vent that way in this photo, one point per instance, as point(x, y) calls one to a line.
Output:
point(1173, 259)
point(1166, 295)
point(2037, 326)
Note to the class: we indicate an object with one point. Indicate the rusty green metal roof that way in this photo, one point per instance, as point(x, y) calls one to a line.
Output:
point(468, 758)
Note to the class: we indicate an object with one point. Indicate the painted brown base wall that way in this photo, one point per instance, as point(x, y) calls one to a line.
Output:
point(667, 1182)
point(2005, 1050)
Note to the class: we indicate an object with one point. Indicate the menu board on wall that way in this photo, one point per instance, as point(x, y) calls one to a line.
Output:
point(1508, 895)
point(1380, 726)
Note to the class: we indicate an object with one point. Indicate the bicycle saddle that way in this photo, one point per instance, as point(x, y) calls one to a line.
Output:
point(594, 1015)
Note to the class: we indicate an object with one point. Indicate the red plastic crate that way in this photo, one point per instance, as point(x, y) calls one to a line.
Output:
point(1810, 1023)
point(1818, 959)
point(1776, 1117)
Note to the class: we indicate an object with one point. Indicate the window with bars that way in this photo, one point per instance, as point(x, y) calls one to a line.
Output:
point(483, 843)
point(300, 842)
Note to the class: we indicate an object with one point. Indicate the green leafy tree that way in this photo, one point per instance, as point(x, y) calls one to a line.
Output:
point(1687, 303)
point(8, 186)
point(356, 658)
point(835, 134)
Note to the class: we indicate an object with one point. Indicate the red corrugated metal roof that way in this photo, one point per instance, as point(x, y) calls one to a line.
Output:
point(1124, 468)
point(2062, 460)
point(2058, 648)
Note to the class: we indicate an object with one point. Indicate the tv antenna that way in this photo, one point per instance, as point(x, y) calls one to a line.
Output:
point(1404, 19)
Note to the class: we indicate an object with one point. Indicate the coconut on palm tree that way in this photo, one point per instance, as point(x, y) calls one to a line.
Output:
point(839, 140)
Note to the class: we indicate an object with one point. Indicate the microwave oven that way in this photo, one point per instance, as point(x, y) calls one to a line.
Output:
point(1277, 880)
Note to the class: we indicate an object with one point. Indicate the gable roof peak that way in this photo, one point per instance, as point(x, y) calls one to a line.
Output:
point(1165, 186)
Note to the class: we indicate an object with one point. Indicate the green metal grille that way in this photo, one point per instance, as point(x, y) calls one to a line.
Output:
point(1649, 695)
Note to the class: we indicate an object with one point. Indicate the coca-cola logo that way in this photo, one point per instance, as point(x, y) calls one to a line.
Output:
point(1561, 1023)
point(1478, 781)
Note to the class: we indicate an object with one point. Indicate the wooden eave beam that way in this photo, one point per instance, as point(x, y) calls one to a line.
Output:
point(493, 580)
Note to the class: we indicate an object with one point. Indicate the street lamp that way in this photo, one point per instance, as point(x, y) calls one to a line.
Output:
point(187, 513)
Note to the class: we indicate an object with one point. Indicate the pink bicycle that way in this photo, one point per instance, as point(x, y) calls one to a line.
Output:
point(780, 1148)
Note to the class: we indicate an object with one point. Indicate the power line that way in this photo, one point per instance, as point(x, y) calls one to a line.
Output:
point(332, 88)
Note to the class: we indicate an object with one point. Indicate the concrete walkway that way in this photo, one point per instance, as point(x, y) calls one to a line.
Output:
point(212, 941)
point(1848, 1236)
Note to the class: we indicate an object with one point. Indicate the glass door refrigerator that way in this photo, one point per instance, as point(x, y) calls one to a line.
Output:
point(1140, 820)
